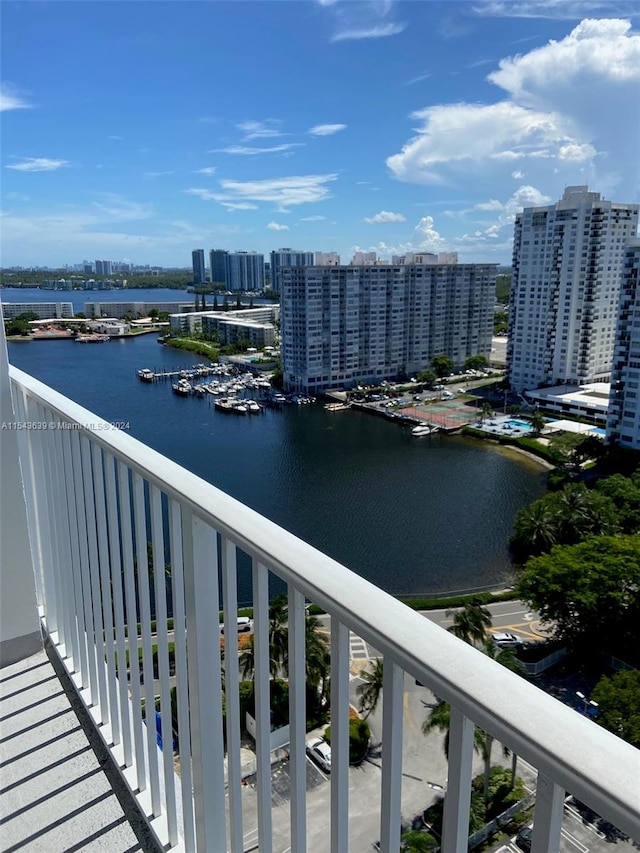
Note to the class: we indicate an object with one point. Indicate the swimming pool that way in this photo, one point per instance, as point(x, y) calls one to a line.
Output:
point(525, 426)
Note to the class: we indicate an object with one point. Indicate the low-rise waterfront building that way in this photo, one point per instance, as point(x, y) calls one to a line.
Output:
point(366, 323)
point(99, 310)
point(44, 310)
point(256, 326)
point(590, 400)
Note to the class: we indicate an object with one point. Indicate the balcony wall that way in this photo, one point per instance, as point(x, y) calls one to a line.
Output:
point(95, 497)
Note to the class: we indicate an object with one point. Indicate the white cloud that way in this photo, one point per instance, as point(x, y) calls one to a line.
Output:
point(115, 138)
point(208, 170)
point(11, 98)
point(383, 217)
point(363, 20)
point(430, 239)
point(13, 196)
point(285, 192)
point(418, 79)
point(312, 218)
point(151, 176)
point(326, 129)
point(249, 150)
point(492, 204)
point(377, 31)
point(569, 114)
point(115, 208)
point(555, 9)
point(38, 164)
point(260, 129)
point(276, 226)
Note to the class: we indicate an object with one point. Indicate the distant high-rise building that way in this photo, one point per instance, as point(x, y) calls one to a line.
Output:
point(326, 259)
point(245, 271)
point(287, 258)
point(349, 324)
point(364, 258)
point(103, 268)
point(199, 272)
point(567, 263)
point(88, 268)
point(425, 258)
point(623, 424)
point(219, 265)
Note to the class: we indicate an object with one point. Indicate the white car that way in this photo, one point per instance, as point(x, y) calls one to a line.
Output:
point(507, 640)
point(320, 751)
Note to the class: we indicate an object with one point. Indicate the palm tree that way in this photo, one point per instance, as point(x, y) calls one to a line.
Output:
point(371, 690)
point(439, 719)
point(537, 422)
point(472, 622)
point(486, 411)
point(505, 657)
point(317, 660)
point(536, 530)
point(278, 635)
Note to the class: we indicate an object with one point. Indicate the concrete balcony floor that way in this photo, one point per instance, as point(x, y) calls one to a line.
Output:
point(56, 792)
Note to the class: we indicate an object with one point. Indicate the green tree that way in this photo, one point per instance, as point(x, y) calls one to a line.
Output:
point(537, 422)
point(589, 593)
point(471, 622)
point(317, 665)
point(442, 364)
point(415, 841)
point(428, 377)
point(618, 699)
point(475, 362)
point(624, 492)
point(486, 411)
point(370, 691)
point(215, 301)
point(536, 530)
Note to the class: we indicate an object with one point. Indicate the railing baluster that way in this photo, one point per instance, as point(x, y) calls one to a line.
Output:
point(106, 591)
point(64, 549)
point(261, 691)
point(457, 801)
point(94, 578)
point(43, 518)
point(81, 660)
point(202, 606)
point(162, 639)
point(118, 606)
point(232, 695)
point(297, 720)
point(132, 625)
point(339, 736)
point(140, 522)
point(547, 822)
point(182, 684)
point(79, 476)
point(27, 453)
point(392, 725)
point(53, 551)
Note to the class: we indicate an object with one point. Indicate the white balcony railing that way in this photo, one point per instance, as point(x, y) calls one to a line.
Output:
point(96, 496)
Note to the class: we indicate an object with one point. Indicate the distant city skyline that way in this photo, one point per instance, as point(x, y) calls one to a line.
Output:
point(351, 138)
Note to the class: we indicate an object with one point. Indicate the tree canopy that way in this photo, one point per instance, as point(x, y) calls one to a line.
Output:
point(589, 593)
point(618, 699)
point(442, 364)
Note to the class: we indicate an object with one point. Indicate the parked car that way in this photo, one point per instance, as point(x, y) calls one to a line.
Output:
point(320, 751)
point(523, 838)
point(507, 640)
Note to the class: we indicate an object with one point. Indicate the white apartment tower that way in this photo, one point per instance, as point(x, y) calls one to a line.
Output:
point(623, 424)
point(287, 258)
point(567, 262)
point(349, 324)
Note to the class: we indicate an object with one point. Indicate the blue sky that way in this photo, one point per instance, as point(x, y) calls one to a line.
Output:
point(141, 130)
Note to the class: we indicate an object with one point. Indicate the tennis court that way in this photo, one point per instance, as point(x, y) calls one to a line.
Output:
point(448, 414)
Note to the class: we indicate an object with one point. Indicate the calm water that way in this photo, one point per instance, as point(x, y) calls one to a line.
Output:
point(411, 515)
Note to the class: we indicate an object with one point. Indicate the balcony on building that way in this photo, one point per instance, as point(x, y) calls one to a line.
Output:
point(91, 518)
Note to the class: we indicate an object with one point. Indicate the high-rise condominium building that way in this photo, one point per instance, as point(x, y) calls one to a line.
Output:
point(349, 324)
point(219, 264)
point(104, 268)
point(245, 271)
point(326, 259)
point(199, 274)
point(623, 425)
point(567, 262)
point(287, 258)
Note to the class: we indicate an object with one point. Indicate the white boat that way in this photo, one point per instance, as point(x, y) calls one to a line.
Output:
point(239, 408)
point(424, 429)
point(146, 374)
point(252, 407)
